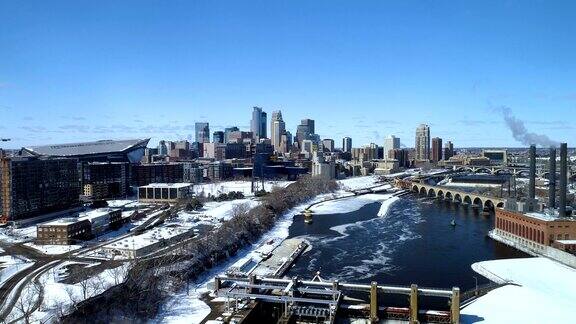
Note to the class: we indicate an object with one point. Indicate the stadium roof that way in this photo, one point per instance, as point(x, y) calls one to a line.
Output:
point(87, 148)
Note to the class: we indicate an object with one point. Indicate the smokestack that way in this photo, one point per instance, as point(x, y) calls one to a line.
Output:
point(532, 185)
point(563, 178)
point(552, 179)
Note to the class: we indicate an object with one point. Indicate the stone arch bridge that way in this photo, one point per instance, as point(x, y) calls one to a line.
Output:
point(457, 196)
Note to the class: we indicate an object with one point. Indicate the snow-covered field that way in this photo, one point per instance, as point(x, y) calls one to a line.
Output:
point(244, 187)
point(544, 291)
point(14, 235)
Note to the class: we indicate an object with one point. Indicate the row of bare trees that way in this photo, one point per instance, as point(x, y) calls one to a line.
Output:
point(150, 282)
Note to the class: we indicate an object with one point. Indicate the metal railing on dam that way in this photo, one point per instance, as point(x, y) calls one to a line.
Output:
point(321, 300)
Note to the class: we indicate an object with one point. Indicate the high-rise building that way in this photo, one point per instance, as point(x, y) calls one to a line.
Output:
point(162, 148)
point(347, 144)
point(390, 143)
point(286, 142)
point(258, 123)
point(436, 149)
point(277, 129)
point(328, 144)
point(227, 132)
point(203, 132)
point(448, 150)
point(305, 130)
point(422, 144)
point(31, 186)
point(218, 137)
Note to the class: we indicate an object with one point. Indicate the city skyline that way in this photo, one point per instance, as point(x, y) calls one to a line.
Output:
point(99, 73)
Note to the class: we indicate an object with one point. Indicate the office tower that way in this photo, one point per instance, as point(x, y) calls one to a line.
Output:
point(277, 128)
point(448, 150)
point(347, 144)
point(258, 123)
point(227, 132)
point(422, 144)
point(328, 144)
point(436, 149)
point(203, 132)
point(305, 130)
point(218, 137)
point(390, 143)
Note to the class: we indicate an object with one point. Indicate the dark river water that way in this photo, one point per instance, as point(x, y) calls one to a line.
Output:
point(413, 243)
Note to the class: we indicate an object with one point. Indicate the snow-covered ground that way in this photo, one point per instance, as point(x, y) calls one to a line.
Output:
point(356, 183)
point(59, 295)
point(543, 291)
point(11, 265)
point(54, 249)
point(244, 187)
point(14, 235)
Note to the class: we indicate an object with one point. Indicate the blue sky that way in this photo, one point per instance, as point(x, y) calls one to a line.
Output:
point(87, 70)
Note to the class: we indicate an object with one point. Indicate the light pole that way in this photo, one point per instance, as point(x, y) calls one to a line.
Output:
point(476, 280)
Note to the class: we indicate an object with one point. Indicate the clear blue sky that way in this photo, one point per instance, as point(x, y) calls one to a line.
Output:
point(87, 70)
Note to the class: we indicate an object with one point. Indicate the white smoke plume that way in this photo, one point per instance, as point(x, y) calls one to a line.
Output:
point(521, 134)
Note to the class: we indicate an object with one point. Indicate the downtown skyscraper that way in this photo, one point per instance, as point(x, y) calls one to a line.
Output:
point(277, 129)
point(258, 123)
point(202, 132)
point(436, 149)
point(422, 144)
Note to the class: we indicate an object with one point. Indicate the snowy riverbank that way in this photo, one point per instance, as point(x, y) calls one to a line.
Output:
point(188, 308)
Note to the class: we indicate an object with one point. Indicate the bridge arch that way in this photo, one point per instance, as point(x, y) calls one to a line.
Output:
point(449, 196)
point(478, 202)
point(431, 193)
point(467, 200)
point(502, 171)
point(483, 170)
point(525, 173)
point(440, 194)
point(500, 205)
point(422, 191)
point(415, 189)
point(458, 198)
point(488, 204)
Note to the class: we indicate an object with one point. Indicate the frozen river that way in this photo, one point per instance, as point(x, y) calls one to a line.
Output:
point(412, 243)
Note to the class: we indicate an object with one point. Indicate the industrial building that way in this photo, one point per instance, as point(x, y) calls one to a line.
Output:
point(31, 186)
point(164, 192)
point(87, 225)
point(148, 242)
point(99, 151)
point(527, 223)
point(63, 231)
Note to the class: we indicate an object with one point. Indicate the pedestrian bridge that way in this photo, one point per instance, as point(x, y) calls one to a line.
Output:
point(457, 196)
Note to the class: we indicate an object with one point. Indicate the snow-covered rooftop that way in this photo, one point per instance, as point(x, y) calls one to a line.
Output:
point(61, 221)
point(147, 238)
point(545, 293)
point(96, 213)
point(168, 185)
point(549, 216)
